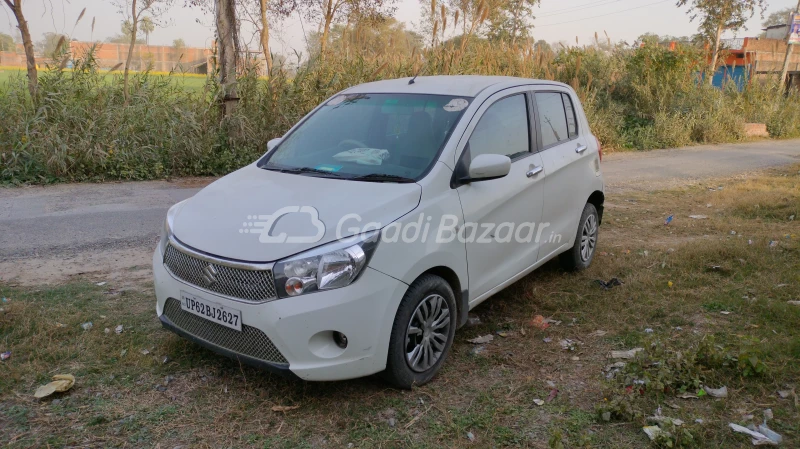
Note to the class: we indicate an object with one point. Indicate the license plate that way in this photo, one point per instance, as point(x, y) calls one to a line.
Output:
point(211, 311)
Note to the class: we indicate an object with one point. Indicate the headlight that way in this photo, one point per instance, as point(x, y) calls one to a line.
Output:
point(330, 266)
point(166, 231)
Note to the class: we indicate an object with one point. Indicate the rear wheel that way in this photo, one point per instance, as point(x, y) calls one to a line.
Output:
point(422, 333)
point(580, 256)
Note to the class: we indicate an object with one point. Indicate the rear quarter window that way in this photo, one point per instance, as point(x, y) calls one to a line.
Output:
point(572, 118)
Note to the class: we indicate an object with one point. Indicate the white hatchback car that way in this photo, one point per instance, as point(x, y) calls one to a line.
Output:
point(358, 243)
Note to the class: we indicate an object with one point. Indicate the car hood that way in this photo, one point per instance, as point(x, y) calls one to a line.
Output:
point(258, 215)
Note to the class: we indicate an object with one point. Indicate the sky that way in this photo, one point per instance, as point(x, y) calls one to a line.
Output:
point(556, 20)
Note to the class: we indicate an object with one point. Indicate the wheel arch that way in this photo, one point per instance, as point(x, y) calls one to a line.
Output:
point(462, 296)
point(597, 198)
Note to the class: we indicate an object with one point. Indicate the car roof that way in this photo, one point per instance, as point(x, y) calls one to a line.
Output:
point(456, 85)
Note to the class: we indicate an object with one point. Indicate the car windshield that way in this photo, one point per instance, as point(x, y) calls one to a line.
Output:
point(370, 137)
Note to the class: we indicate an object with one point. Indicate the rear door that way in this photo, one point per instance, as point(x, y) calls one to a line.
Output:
point(565, 155)
point(501, 214)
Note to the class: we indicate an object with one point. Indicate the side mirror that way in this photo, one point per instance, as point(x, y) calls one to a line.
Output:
point(273, 142)
point(488, 166)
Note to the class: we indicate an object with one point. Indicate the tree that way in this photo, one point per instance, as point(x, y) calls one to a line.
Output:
point(511, 20)
point(779, 17)
point(228, 51)
point(264, 34)
point(7, 43)
point(542, 46)
point(147, 27)
point(261, 14)
point(227, 57)
point(124, 37)
point(387, 37)
point(134, 11)
point(330, 12)
point(473, 16)
point(49, 45)
point(27, 43)
point(433, 20)
point(718, 16)
point(178, 44)
point(666, 39)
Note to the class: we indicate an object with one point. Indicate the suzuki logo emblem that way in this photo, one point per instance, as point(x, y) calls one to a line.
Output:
point(210, 275)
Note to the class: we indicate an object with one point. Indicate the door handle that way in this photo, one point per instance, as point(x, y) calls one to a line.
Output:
point(534, 171)
point(581, 148)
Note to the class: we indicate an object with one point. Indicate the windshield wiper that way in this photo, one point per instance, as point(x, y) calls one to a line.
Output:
point(299, 170)
point(378, 177)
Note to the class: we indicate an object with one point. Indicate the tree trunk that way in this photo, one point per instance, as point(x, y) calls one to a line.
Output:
point(713, 67)
point(27, 43)
point(265, 36)
point(323, 43)
point(226, 35)
point(515, 26)
point(134, 25)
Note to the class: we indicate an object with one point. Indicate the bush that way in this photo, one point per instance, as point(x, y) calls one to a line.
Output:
point(82, 129)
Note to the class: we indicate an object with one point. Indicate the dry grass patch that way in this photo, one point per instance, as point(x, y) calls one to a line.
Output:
point(678, 278)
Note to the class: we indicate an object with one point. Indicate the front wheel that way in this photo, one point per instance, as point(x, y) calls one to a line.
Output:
point(580, 256)
point(422, 333)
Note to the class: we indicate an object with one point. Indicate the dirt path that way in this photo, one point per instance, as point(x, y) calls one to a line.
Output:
point(48, 234)
point(662, 169)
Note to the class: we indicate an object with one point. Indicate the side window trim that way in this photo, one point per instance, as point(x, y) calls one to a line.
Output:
point(538, 125)
point(528, 118)
point(533, 117)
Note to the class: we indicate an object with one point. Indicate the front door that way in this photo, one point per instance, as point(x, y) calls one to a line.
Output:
point(502, 215)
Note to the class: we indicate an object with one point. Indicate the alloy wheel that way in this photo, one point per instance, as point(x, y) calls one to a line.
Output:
point(588, 237)
point(427, 333)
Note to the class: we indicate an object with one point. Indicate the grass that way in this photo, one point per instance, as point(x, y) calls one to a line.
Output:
point(82, 127)
point(192, 82)
point(670, 286)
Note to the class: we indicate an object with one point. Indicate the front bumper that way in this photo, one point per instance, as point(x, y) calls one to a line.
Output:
point(282, 369)
point(299, 328)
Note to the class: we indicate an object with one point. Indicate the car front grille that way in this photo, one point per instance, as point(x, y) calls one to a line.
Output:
point(250, 342)
point(238, 283)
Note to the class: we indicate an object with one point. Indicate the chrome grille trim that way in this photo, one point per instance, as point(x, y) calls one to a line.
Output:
point(237, 281)
point(218, 260)
point(250, 342)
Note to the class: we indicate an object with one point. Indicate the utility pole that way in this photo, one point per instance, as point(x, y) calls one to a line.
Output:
point(789, 46)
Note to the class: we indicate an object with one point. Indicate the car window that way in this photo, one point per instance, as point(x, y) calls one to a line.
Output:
point(572, 123)
point(552, 118)
point(503, 129)
point(357, 135)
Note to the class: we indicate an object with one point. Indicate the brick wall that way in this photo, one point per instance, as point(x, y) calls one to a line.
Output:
point(156, 57)
point(159, 58)
point(769, 54)
point(11, 59)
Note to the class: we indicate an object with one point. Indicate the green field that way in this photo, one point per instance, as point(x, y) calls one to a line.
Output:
point(191, 82)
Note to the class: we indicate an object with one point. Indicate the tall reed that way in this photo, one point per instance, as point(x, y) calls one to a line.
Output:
point(642, 98)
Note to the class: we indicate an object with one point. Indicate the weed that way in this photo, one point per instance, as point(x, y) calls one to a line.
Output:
point(82, 129)
point(214, 402)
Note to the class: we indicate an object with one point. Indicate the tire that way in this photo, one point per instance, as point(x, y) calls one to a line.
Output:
point(403, 368)
point(588, 228)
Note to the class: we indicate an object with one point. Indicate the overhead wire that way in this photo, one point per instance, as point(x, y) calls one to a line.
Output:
point(576, 8)
point(602, 15)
